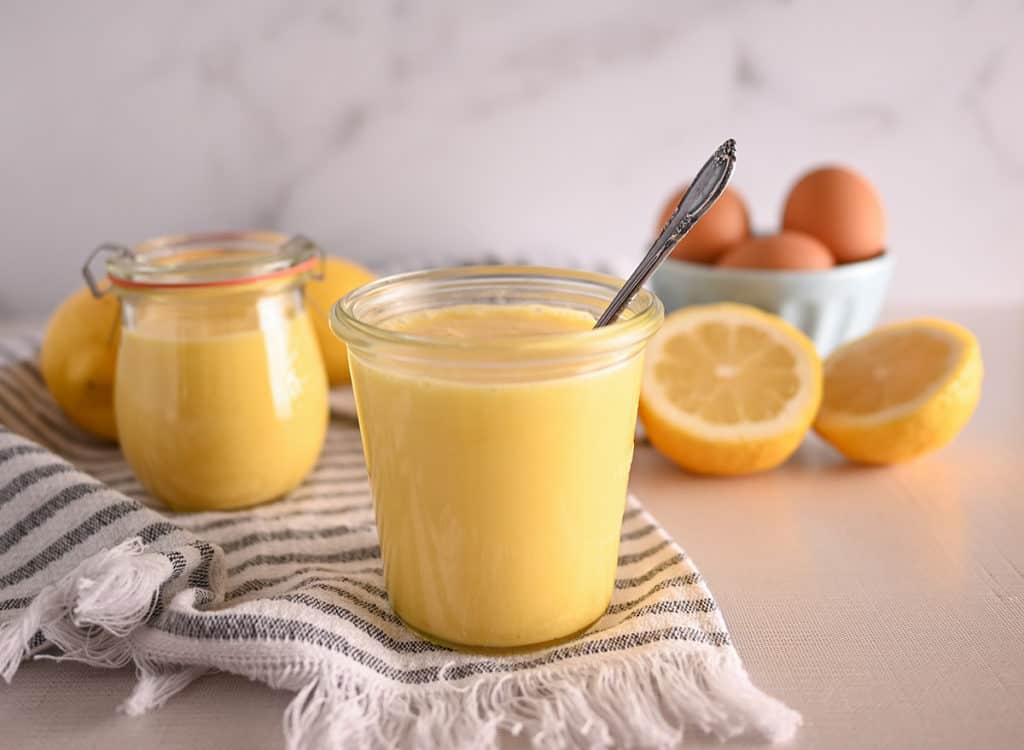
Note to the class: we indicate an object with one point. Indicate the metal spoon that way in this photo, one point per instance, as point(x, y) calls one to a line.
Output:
point(709, 183)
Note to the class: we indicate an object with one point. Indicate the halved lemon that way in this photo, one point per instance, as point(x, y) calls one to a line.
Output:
point(728, 389)
point(901, 391)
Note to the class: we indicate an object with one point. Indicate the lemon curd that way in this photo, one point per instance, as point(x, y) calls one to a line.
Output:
point(499, 489)
point(221, 397)
point(224, 410)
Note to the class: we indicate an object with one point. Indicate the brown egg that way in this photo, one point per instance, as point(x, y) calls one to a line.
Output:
point(790, 251)
point(725, 224)
point(842, 209)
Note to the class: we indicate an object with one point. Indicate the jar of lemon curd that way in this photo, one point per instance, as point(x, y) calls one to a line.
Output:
point(221, 394)
point(498, 427)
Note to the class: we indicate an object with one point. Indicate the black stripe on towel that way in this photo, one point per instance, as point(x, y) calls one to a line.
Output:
point(246, 627)
point(328, 582)
point(626, 583)
point(264, 537)
point(65, 544)
point(44, 512)
point(590, 645)
point(676, 582)
point(30, 477)
point(628, 536)
point(673, 606)
point(348, 555)
point(413, 645)
point(258, 584)
point(631, 513)
point(638, 556)
point(235, 519)
point(318, 584)
point(384, 614)
point(19, 602)
point(154, 531)
point(23, 449)
point(200, 577)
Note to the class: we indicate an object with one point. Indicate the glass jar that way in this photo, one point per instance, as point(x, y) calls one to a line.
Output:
point(498, 463)
point(221, 394)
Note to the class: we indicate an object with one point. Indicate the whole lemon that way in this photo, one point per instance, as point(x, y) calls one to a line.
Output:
point(78, 359)
point(339, 278)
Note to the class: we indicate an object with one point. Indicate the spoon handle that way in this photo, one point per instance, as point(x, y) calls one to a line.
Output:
point(709, 183)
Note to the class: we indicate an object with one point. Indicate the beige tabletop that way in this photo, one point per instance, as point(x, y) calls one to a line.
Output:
point(887, 605)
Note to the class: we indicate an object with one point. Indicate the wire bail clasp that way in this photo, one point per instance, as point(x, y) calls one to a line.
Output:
point(107, 247)
point(296, 246)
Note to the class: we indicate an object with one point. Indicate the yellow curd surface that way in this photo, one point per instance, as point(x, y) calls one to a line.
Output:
point(213, 418)
point(499, 492)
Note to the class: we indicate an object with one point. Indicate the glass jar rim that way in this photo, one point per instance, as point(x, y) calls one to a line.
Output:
point(208, 259)
point(641, 318)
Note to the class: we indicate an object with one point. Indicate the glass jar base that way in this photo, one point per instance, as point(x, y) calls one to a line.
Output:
point(206, 506)
point(470, 648)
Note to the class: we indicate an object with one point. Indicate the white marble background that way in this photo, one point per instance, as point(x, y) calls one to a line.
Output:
point(548, 130)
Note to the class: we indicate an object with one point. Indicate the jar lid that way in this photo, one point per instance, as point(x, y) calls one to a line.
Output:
point(213, 259)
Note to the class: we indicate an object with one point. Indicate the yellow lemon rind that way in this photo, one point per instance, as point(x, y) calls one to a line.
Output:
point(79, 372)
point(924, 424)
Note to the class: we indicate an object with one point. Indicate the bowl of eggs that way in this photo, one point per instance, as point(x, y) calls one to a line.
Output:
point(826, 271)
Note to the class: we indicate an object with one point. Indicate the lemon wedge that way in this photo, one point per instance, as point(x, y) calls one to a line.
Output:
point(901, 391)
point(728, 389)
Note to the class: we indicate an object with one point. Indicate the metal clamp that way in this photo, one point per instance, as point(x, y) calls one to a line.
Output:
point(108, 247)
point(298, 243)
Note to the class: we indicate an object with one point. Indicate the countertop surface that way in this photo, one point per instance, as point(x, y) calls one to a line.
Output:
point(887, 605)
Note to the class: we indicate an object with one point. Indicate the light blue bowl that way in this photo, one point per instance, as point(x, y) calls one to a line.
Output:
point(831, 306)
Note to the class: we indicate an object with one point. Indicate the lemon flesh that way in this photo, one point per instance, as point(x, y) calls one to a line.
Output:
point(904, 390)
point(729, 389)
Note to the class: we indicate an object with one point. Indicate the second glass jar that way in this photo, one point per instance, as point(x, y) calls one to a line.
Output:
point(221, 395)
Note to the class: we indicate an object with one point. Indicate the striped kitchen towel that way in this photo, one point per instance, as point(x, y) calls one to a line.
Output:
point(291, 593)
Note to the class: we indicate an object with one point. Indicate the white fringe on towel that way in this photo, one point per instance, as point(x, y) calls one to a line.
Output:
point(629, 701)
point(155, 688)
point(87, 613)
